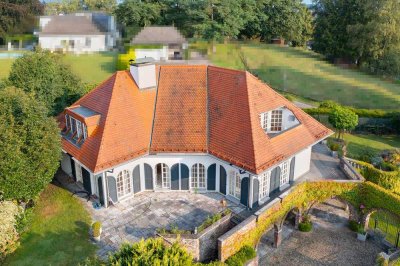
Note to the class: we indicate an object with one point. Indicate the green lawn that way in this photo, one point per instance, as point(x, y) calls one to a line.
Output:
point(93, 68)
point(359, 144)
point(387, 224)
point(5, 66)
point(58, 233)
point(304, 73)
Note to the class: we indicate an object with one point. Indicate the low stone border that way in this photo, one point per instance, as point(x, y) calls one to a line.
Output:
point(203, 246)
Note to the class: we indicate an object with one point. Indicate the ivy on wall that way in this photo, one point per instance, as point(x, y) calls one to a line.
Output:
point(370, 195)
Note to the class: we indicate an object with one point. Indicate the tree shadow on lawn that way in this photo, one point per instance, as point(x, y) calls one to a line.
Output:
point(54, 248)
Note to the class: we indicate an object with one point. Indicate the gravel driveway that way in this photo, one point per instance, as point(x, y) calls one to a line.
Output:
point(330, 242)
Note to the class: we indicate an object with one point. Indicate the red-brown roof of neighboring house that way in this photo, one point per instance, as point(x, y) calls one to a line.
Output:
point(194, 109)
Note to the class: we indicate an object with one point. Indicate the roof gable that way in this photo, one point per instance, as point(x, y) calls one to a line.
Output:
point(159, 35)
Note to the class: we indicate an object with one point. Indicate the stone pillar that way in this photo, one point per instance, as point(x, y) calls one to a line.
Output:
point(277, 237)
point(297, 220)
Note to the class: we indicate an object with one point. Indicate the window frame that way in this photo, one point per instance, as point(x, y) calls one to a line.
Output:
point(77, 128)
point(284, 176)
point(124, 184)
point(275, 120)
point(198, 177)
point(265, 180)
point(235, 185)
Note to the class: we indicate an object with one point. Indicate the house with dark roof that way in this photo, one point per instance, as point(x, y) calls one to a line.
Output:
point(186, 128)
point(83, 32)
point(161, 43)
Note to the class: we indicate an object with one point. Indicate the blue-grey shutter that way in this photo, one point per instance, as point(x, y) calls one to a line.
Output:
point(136, 179)
point(184, 177)
point(112, 188)
point(211, 172)
point(175, 177)
point(86, 180)
point(101, 193)
point(256, 192)
point(148, 177)
point(244, 191)
point(275, 179)
point(222, 180)
point(292, 165)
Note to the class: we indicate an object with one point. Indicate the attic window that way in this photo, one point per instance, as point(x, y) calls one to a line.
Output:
point(75, 128)
point(278, 120)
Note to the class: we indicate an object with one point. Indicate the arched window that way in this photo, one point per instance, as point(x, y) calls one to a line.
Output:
point(234, 184)
point(198, 176)
point(162, 175)
point(123, 183)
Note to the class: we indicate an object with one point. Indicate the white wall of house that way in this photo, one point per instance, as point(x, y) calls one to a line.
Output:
point(66, 164)
point(289, 120)
point(158, 54)
point(302, 166)
point(82, 43)
point(303, 161)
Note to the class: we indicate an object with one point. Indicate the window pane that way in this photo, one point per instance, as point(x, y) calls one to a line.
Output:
point(276, 120)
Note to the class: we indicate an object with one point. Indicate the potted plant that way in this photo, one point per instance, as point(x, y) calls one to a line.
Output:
point(361, 234)
point(96, 230)
point(334, 149)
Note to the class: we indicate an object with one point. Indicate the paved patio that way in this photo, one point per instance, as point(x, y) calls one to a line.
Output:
point(329, 243)
point(323, 165)
point(139, 217)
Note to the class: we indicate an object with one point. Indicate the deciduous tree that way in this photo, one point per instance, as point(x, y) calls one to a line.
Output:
point(29, 145)
point(44, 75)
point(342, 119)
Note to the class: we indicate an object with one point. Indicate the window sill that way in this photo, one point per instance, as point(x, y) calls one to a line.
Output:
point(284, 186)
point(264, 200)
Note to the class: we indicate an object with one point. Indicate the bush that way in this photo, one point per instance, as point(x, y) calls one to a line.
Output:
point(305, 226)
point(245, 254)
point(334, 147)
point(9, 212)
point(123, 59)
point(353, 225)
point(96, 226)
point(387, 180)
point(152, 251)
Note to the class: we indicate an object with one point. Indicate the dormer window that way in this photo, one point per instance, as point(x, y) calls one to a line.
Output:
point(75, 128)
point(278, 120)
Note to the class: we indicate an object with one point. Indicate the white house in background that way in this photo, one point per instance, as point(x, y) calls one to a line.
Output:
point(78, 33)
point(186, 128)
point(163, 43)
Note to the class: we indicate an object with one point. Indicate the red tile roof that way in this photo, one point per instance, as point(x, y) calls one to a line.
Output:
point(193, 109)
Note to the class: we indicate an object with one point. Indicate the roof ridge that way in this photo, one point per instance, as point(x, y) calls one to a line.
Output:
point(106, 120)
point(251, 121)
point(229, 70)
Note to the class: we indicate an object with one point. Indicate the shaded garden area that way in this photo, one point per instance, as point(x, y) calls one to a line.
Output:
point(57, 233)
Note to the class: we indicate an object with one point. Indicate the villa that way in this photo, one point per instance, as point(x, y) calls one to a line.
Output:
point(186, 128)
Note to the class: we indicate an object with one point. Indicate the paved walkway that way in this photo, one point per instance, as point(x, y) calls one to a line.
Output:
point(323, 165)
point(329, 243)
point(139, 217)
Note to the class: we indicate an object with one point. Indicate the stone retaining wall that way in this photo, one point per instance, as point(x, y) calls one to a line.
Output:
point(204, 245)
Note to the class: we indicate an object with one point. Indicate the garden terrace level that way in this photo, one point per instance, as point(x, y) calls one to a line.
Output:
point(200, 128)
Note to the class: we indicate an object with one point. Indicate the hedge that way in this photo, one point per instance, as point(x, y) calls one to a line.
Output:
point(9, 212)
point(388, 180)
point(245, 254)
point(372, 113)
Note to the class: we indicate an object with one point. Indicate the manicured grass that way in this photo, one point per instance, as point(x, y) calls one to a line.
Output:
point(357, 145)
point(93, 68)
point(387, 224)
point(5, 66)
point(304, 73)
point(58, 233)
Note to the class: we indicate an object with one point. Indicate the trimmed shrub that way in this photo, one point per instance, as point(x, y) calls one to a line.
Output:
point(152, 251)
point(387, 180)
point(96, 226)
point(245, 254)
point(353, 225)
point(305, 226)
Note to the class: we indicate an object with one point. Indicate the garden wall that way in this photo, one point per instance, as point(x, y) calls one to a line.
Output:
point(204, 245)
point(354, 193)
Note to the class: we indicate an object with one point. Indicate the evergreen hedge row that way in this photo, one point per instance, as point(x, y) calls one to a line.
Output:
point(371, 113)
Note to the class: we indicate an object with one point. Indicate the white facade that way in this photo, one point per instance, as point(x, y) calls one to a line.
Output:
point(75, 43)
point(233, 175)
point(157, 54)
